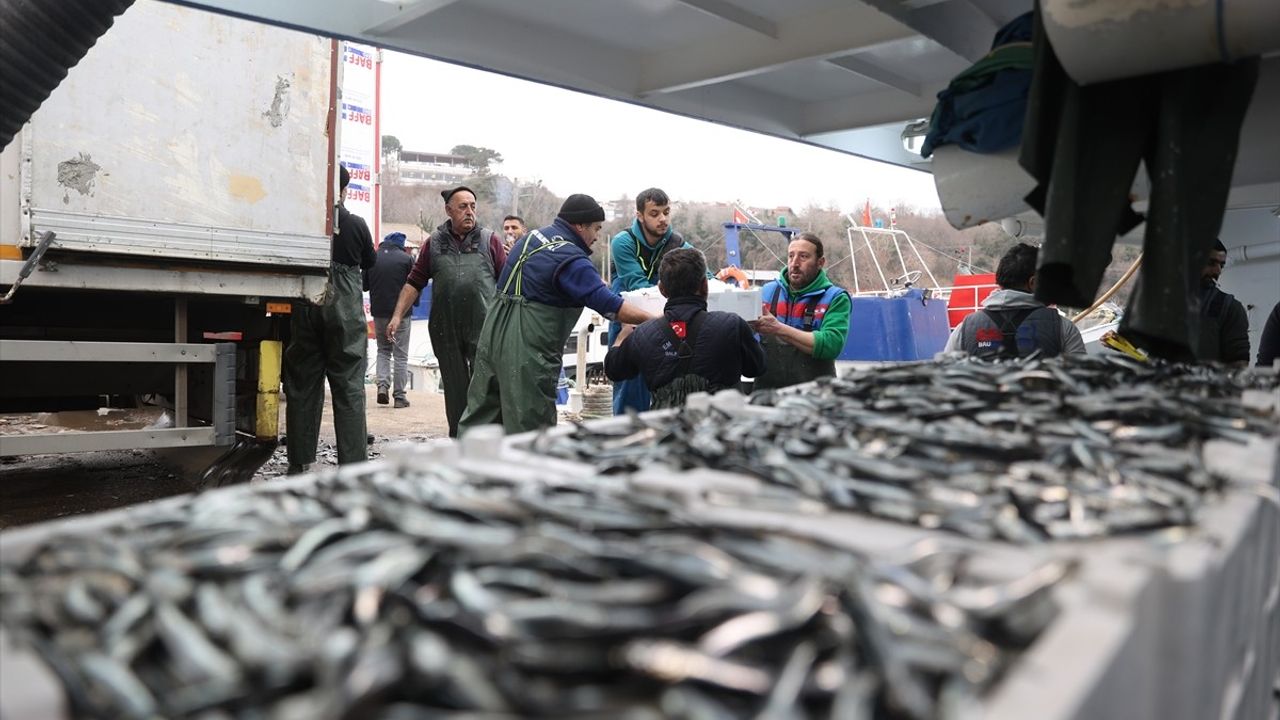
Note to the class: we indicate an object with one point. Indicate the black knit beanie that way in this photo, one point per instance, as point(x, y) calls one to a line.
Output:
point(448, 194)
point(581, 209)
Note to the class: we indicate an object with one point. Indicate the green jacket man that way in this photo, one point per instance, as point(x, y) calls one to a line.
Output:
point(806, 318)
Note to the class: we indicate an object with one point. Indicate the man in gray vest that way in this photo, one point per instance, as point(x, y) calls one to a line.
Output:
point(1012, 323)
point(462, 261)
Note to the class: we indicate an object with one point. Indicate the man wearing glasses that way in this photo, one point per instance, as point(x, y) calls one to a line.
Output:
point(462, 260)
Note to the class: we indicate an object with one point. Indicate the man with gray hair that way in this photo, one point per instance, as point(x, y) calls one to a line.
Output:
point(461, 259)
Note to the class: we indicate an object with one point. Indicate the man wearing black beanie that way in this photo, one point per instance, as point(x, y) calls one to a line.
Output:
point(547, 280)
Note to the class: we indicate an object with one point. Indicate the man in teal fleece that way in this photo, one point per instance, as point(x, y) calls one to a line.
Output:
point(805, 321)
point(636, 253)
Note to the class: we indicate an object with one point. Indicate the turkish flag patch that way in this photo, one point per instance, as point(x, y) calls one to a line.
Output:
point(679, 327)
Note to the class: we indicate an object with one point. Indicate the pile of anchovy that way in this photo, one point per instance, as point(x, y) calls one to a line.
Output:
point(1024, 451)
point(411, 592)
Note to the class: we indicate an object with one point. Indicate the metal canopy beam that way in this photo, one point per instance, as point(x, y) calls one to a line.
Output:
point(834, 32)
point(872, 71)
point(870, 109)
point(408, 13)
point(957, 25)
point(736, 15)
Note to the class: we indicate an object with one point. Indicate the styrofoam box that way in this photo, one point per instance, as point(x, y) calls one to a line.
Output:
point(743, 303)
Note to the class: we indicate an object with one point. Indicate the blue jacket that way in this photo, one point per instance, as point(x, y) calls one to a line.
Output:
point(557, 272)
point(982, 109)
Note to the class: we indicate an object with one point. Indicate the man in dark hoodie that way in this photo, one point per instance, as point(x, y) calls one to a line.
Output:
point(462, 261)
point(1224, 325)
point(386, 278)
point(689, 349)
point(1012, 322)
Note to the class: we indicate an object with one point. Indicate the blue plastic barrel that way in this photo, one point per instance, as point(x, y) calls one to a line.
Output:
point(422, 311)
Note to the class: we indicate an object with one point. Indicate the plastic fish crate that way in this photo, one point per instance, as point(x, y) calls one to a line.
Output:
point(743, 303)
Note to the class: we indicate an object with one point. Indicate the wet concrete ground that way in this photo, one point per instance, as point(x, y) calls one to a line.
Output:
point(44, 487)
point(37, 488)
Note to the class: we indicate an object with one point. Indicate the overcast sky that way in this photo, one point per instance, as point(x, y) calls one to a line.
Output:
point(575, 142)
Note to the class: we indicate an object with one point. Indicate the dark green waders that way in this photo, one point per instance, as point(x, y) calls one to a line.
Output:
point(519, 359)
point(328, 341)
point(461, 297)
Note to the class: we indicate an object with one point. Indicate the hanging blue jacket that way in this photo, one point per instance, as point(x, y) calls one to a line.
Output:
point(982, 109)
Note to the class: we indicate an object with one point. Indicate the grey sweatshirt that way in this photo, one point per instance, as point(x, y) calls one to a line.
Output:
point(1072, 343)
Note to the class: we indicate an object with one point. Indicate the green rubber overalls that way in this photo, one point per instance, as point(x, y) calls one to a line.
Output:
point(520, 355)
point(463, 289)
point(330, 341)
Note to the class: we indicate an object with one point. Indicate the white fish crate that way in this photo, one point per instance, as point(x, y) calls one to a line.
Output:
point(746, 304)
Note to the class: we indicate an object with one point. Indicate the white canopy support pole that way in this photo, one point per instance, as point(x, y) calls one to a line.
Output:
point(884, 281)
point(848, 234)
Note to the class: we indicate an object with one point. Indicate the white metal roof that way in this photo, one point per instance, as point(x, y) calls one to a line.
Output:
point(844, 74)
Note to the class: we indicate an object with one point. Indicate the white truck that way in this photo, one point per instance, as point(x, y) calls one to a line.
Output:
point(159, 214)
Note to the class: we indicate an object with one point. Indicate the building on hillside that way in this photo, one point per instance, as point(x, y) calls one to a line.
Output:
point(781, 211)
point(618, 209)
point(415, 167)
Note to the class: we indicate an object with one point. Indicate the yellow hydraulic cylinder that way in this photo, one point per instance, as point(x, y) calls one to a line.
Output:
point(266, 421)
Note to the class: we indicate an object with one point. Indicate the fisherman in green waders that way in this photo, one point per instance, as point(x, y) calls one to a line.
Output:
point(541, 292)
point(461, 259)
point(331, 341)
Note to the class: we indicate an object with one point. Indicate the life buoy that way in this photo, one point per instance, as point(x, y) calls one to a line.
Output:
point(736, 274)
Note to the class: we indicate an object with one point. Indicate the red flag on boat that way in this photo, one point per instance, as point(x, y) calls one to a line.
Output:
point(739, 217)
point(866, 214)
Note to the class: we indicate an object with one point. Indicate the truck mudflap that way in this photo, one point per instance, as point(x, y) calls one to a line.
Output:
point(40, 40)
